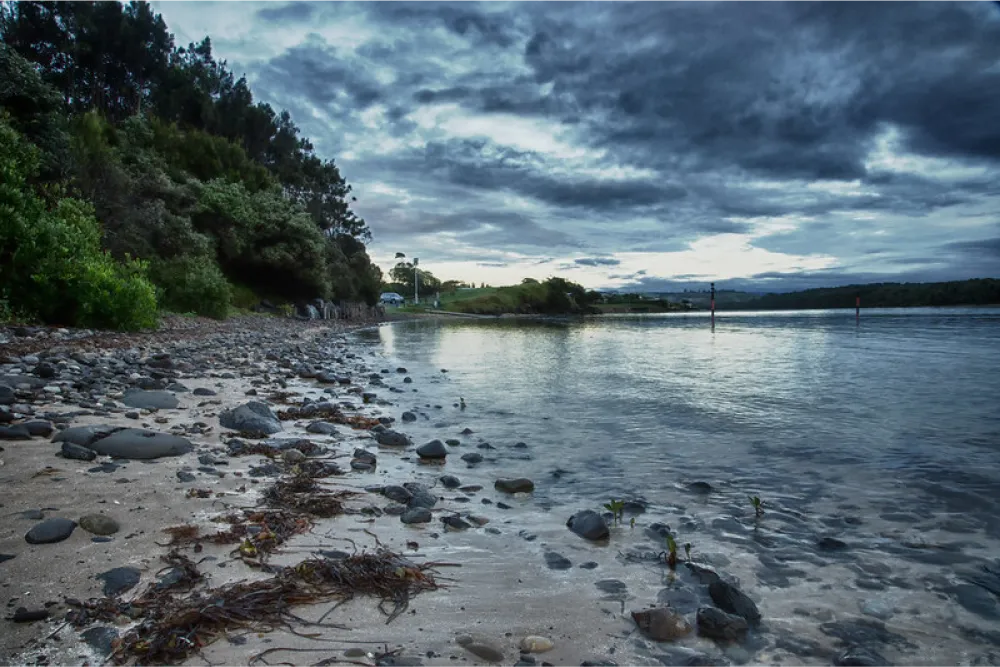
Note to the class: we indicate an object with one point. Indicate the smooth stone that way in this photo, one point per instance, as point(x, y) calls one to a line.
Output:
point(100, 638)
point(831, 544)
point(6, 557)
point(416, 515)
point(85, 436)
point(450, 481)
point(661, 624)
point(39, 428)
point(556, 561)
point(23, 615)
point(455, 523)
point(717, 624)
point(484, 651)
point(589, 565)
point(422, 497)
point(150, 400)
point(589, 525)
point(859, 656)
point(700, 487)
point(185, 476)
point(434, 449)
point(99, 524)
point(252, 417)
point(451, 442)
point(321, 428)
point(390, 438)
point(17, 432)
point(472, 458)
point(514, 485)
point(76, 452)
point(409, 417)
point(612, 587)
point(50, 530)
point(536, 644)
point(397, 493)
point(204, 391)
point(731, 599)
point(293, 456)
point(119, 579)
point(140, 444)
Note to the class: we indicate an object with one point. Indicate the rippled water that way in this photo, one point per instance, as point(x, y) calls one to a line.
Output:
point(885, 435)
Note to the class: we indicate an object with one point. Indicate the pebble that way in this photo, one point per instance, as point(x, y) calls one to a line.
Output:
point(516, 485)
point(118, 580)
point(99, 524)
point(50, 531)
point(536, 644)
point(416, 515)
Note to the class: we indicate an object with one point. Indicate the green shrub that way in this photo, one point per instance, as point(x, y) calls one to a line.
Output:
point(244, 298)
point(193, 284)
point(51, 263)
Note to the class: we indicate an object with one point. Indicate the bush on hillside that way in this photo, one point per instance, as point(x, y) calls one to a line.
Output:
point(51, 263)
point(193, 285)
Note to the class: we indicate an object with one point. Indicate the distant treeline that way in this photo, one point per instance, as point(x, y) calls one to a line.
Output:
point(981, 291)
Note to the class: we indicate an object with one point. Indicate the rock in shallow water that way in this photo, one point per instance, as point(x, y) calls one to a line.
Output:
point(390, 438)
point(252, 417)
point(397, 493)
point(859, 656)
point(450, 481)
point(99, 524)
point(556, 561)
point(589, 525)
point(416, 515)
point(536, 644)
point(731, 599)
point(50, 530)
point(514, 485)
point(661, 624)
point(717, 624)
point(434, 449)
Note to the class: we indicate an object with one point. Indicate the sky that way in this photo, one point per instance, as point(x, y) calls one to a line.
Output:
point(645, 146)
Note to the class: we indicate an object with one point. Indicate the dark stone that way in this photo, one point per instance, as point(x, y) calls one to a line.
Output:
point(451, 442)
point(85, 436)
point(555, 561)
point(50, 530)
point(485, 445)
point(731, 599)
point(150, 400)
point(204, 391)
point(17, 432)
point(6, 557)
point(658, 532)
point(252, 417)
point(409, 417)
point(140, 444)
point(99, 524)
point(321, 428)
point(45, 371)
point(515, 485)
point(589, 525)
point(434, 449)
point(422, 497)
point(864, 632)
point(119, 579)
point(455, 523)
point(416, 515)
point(450, 481)
point(977, 600)
point(397, 493)
point(686, 657)
point(471, 488)
point(22, 615)
point(700, 487)
point(39, 428)
point(661, 624)
point(612, 587)
point(365, 456)
point(831, 544)
point(76, 452)
point(859, 656)
point(6, 395)
point(635, 506)
point(100, 638)
point(717, 624)
point(390, 438)
point(472, 458)
point(185, 476)
point(683, 600)
point(589, 565)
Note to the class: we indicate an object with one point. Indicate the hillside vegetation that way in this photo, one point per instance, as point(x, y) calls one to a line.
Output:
point(554, 296)
point(982, 291)
point(137, 175)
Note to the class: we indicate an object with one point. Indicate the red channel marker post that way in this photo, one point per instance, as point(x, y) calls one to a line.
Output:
point(857, 309)
point(713, 306)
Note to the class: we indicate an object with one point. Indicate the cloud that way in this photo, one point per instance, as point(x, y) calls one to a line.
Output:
point(796, 142)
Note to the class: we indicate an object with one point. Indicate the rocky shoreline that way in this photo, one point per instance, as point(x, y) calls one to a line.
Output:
point(146, 473)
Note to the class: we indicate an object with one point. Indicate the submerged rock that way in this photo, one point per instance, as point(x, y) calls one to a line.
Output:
point(731, 599)
point(859, 656)
point(589, 525)
point(514, 485)
point(450, 481)
point(416, 515)
point(556, 561)
point(390, 438)
point(434, 449)
point(717, 624)
point(661, 624)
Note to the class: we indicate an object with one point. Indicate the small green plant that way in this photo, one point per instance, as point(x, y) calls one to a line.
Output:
point(631, 522)
point(687, 551)
point(671, 551)
point(758, 505)
point(616, 507)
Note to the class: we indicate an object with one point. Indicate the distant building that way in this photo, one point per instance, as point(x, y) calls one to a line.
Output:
point(391, 299)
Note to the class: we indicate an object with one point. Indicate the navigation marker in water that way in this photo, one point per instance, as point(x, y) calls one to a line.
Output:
point(713, 306)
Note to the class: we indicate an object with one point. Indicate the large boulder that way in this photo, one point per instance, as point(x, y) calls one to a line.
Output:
point(434, 449)
point(731, 599)
point(717, 624)
point(137, 443)
point(150, 400)
point(85, 436)
point(589, 525)
point(252, 417)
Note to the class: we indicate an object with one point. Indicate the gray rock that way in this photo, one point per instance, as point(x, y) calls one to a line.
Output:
point(6, 557)
point(252, 417)
point(85, 436)
point(717, 624)
point(390, 438)
point(39, 427)
point(472, 458)
point(140, 444)
point(589, 525)
point(119, 579)
point(321, 428)
point(514, 485)
point(451, 442)
point(700, 487)
point(483, 651)
point(293, 456)
point(6, 395)
point(17, 432)
point(416, 515)
point(177, 388)
point(184, 476)
point(49, 531)
point(397, 493)
point(661, 624)
point(76, 452)
point(24, 615)
point(450, 481)
point(100, 638)
point(556, 561)
point(204, 391)
point(409, 417)
point(150, 400)
point(421, 495)
point(99, 524)
point(731, 599)
point(455, 523)
point(977, 600)
point(434, 449)
point(859, 656)
point(365, 456)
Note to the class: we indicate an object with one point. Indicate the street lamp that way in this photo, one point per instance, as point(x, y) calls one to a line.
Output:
point(416, 281)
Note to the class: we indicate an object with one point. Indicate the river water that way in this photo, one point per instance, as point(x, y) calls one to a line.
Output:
point(883, 434)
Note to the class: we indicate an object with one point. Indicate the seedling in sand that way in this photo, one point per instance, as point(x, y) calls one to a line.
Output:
point(671, 551)
point(687, 551)
point(758, 505)
point(631, 523)
point(616, 507)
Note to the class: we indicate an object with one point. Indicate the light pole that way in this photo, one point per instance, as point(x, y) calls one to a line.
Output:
point(416, 281)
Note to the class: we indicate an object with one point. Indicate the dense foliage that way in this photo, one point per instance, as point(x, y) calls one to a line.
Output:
point(555, 296)
point(216, 195)
point(983, 291)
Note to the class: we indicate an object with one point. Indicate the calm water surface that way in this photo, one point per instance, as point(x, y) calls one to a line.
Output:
point(884, 435)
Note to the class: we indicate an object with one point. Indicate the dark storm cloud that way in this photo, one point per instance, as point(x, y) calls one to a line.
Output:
point(597, 261)
point(289, 13)
point(691, 120)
